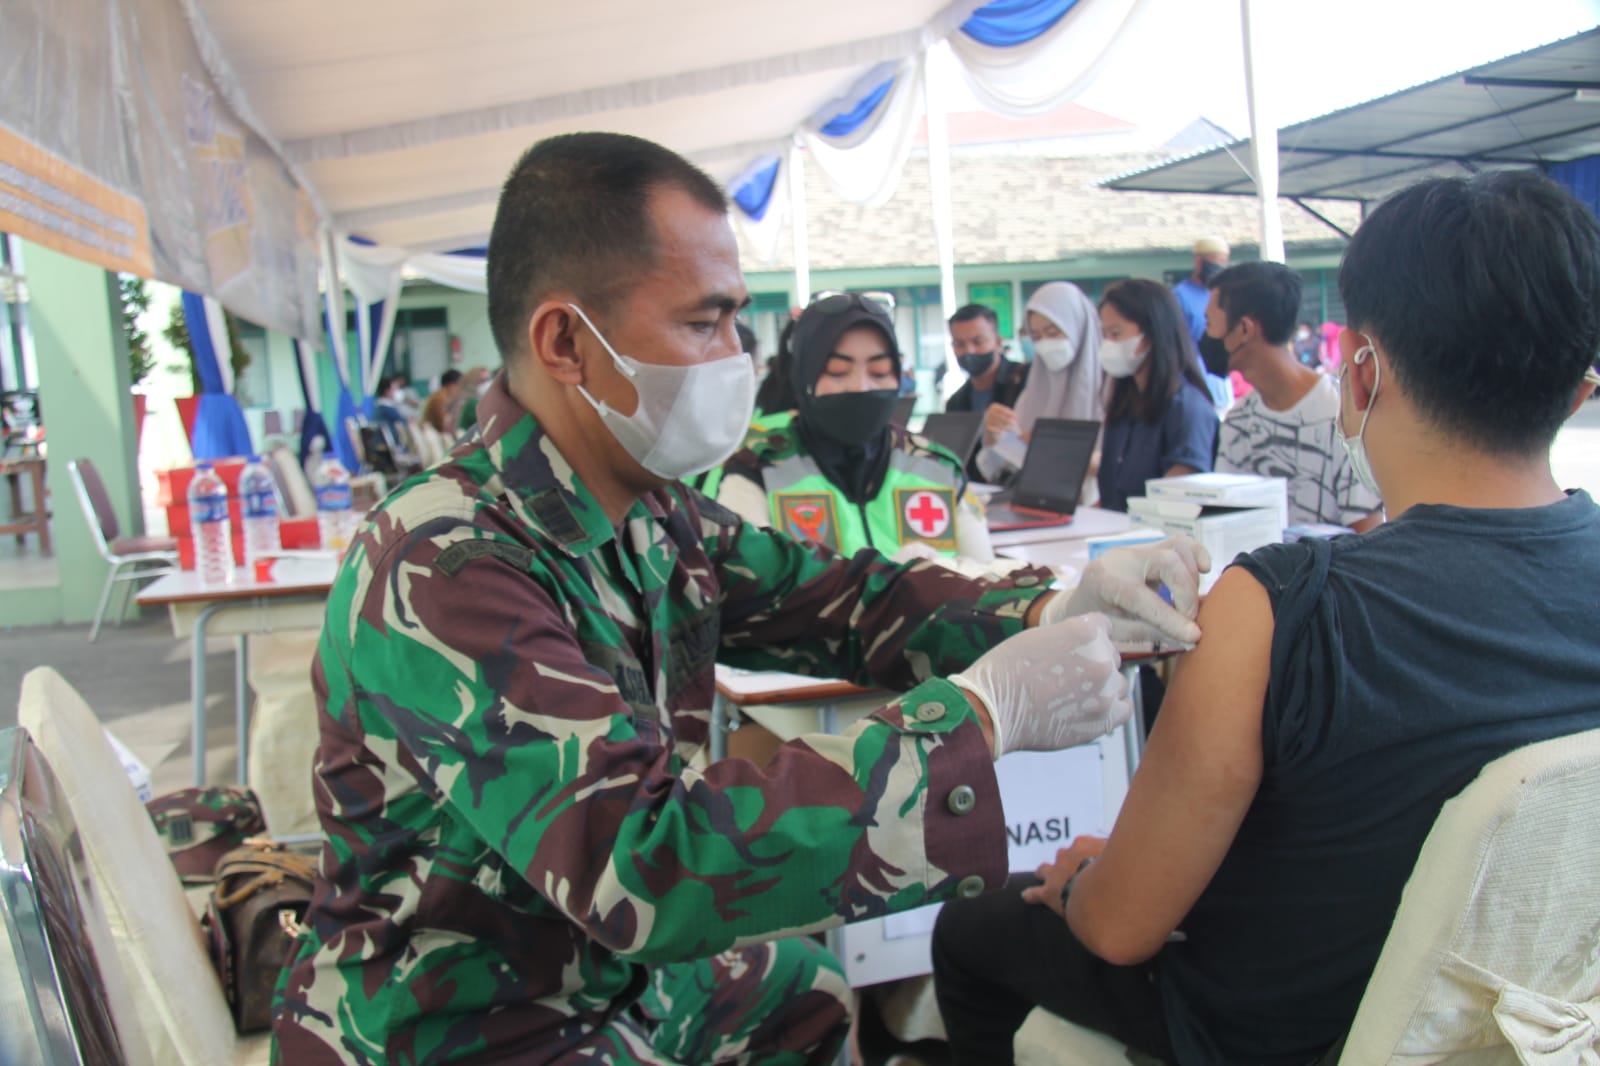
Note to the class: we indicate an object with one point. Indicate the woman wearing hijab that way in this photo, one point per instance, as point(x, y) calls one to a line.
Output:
point(1061, 336)
point(840, 474)
point(1159, 418)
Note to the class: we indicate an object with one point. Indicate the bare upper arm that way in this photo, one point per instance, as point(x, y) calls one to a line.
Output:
point(1197, 779)
point(1371, 521)
point(1181, 470)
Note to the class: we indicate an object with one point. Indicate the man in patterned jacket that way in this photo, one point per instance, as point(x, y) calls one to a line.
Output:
point(530, 857)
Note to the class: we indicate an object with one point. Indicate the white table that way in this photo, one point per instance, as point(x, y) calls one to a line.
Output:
point(239, 608)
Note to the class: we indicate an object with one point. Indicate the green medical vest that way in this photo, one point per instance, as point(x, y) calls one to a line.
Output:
point(916, 503)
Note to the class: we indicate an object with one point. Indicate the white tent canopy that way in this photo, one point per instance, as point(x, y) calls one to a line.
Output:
point(404, 118)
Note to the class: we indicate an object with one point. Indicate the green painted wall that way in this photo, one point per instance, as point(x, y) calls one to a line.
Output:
point(73, 313)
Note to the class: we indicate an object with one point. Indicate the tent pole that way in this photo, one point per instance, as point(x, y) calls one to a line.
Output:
point(797, 216)
point(943, 211)
point(1263, 137)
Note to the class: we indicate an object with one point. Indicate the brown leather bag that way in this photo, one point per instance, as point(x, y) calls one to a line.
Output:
point(253, 923)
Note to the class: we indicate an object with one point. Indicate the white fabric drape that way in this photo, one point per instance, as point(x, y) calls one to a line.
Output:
point(765, 235)
point(864, 165)
point(217, 326)
point(333, 300)
point(1043, 74)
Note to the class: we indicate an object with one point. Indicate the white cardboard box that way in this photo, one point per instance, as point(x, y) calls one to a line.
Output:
point(1224, 490)
point(1227, 513)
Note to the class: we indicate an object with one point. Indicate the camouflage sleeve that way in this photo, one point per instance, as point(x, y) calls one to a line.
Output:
point(474, 683)
point(805, 610)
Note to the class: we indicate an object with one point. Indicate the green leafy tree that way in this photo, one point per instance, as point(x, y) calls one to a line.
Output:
point(177, 335)
point(135, 302)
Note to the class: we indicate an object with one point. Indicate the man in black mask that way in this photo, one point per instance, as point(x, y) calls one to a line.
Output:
point(991, 377)
point(1193, 293)
point(841, 475)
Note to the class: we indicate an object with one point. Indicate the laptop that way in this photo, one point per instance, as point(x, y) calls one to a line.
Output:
point(902, 410)
point(956, 431)
point(1046, 490)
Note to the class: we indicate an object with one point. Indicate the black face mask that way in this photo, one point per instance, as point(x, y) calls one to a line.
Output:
point(851, 418)
point(1214, 354)
point(975, 364)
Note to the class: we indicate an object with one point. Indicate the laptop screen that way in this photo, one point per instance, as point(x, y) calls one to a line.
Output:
point(956, 430)
point(1058, 458)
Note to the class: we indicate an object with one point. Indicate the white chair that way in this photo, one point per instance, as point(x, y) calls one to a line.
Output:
point(298, 499)
point(129, 558)
point(177, 995)
point(64, 996)
point(1494, 955)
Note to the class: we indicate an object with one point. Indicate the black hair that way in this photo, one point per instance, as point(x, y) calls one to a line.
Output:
point(973, 312)
point(449, 377)
point(747, 339)
point(1266, 292)
point(1171, 359)
point(575, 215)
point(777, 392)
point(1483, 294)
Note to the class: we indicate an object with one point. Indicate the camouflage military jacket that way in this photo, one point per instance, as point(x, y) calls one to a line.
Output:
point(513, 695)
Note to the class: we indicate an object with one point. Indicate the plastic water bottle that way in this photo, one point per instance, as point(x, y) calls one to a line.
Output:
point(259, 509)
point(336, 517)
point(210, 527)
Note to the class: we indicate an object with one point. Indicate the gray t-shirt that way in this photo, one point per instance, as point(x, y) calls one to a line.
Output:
point(1299, 444)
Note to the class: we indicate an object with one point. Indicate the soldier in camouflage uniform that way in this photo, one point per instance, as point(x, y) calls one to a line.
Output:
point(530, 858)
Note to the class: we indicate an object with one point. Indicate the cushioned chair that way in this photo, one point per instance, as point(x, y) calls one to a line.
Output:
point(129, 558)
point(157, 936)
point(1494, 955)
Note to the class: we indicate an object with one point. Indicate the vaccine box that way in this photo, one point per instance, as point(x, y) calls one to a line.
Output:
point(1227, 513)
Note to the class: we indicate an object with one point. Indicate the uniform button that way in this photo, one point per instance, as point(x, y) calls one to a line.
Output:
point(1026, 581)
point(970, 887)
point(929, 712)
point(961, 800)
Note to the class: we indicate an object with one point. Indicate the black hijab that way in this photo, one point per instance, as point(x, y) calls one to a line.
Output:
point(856, 470)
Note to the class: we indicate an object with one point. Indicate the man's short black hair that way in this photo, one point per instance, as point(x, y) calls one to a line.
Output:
point(574, 215)
point(1484, 294)
point(973, 312)
point(1266, 292)
point(449, 377)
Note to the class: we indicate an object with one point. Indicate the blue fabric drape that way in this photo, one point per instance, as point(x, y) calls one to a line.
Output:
point(754, 194)
point(847, 122)
point(344, 411)
point(1008, 23)
point(1581, 177)
point(312, 426)
point(219, 426)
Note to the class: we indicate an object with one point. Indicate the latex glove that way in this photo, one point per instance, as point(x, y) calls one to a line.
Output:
point(1051, 687)
point(916, 549)
point(1122, 584)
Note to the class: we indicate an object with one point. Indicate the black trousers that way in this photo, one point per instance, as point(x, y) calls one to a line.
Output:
point(996, 957)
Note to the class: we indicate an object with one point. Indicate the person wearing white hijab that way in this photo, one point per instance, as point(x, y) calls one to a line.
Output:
point(1062, 335)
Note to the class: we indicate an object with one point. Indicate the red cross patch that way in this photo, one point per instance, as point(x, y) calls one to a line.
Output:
point(928, 515)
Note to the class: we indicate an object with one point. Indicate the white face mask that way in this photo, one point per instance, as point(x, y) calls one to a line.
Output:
point(1355, 447)
point(689, 419)
point(1053, 352)
point(1122, 358)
